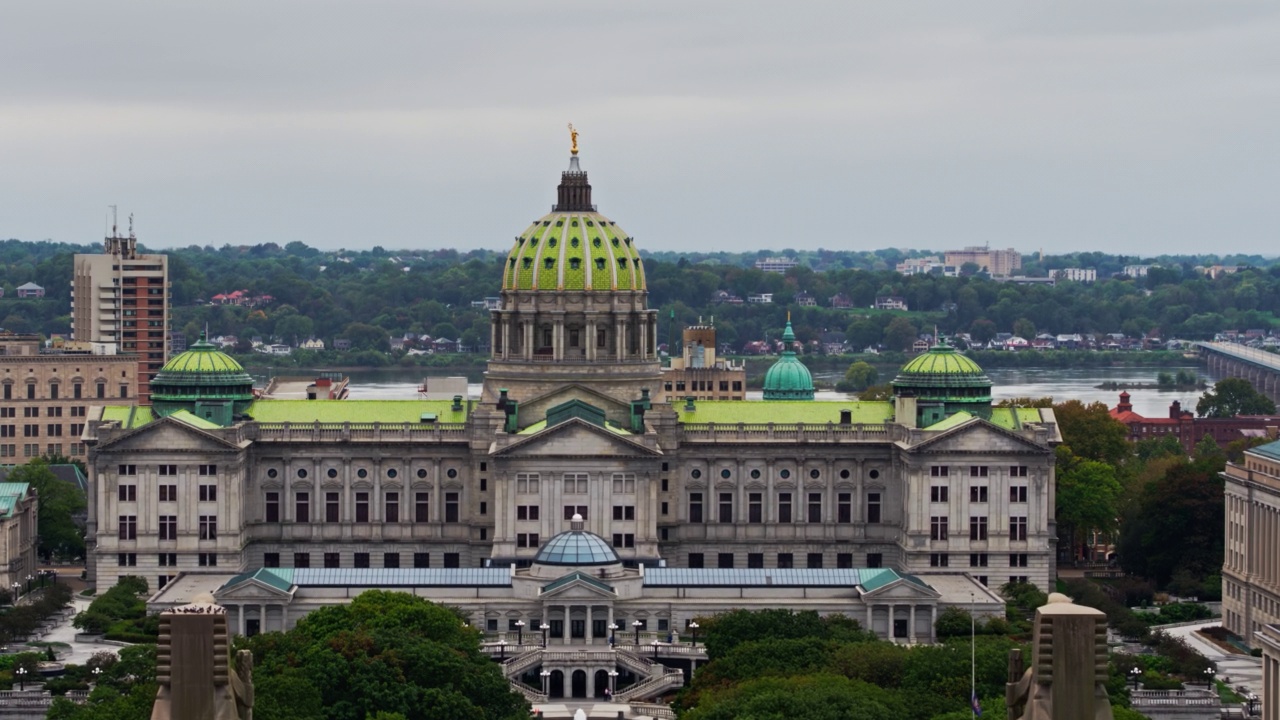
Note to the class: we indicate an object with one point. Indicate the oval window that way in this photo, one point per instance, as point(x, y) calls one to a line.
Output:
point(272, 473)
point(755, 474)
point(784, 474)
point(725, 474)
point(362, 473)
point(874, 474)
point(814, 474)
point(422, 473)
point(333, 473)
point(392, 473)
point(844, 474)
point(452, 473)
point(696, 474)
point(302, 472)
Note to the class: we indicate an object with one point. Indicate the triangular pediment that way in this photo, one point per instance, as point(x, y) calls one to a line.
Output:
point(902, 589)
point(250, 589)
point(575, 391)
point(979, 436)
point(576, 438)
point(169, 435)
point(578, 585)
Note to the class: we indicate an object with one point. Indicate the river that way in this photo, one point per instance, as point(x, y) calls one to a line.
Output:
point(1059, 383)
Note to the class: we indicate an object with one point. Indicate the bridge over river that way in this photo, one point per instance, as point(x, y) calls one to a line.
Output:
point(1259, 367)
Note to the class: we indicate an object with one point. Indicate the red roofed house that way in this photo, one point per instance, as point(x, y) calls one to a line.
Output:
point(1190, 429)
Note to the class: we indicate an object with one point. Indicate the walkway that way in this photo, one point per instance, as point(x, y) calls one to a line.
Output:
point(80, 652)
point(1243, 670)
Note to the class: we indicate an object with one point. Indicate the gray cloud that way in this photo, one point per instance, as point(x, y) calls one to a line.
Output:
point(1138, 127)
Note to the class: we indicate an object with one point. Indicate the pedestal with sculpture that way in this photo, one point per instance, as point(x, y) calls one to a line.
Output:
point(198, 678)
point(1068, 673)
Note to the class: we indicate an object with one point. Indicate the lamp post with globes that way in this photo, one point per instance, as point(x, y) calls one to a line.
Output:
point(693, 626)
point(544, 628)
point(22, 678)
point(29, 579)
point(613, 636)
point(655, 650)
point(1134, 674)
point(17, 592)
point(546, 682)
point(636, 624)
point(613, 683)
point(96, 672)
point(520, 632)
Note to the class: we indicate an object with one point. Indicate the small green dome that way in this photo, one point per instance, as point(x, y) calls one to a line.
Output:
point(942, 375)
point(202, 358)
point(788, 378)
point(574, 247)
point(205, 381)
point(942, 360)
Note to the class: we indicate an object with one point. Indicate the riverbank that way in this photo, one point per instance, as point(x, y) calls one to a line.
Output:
point(1185, 387)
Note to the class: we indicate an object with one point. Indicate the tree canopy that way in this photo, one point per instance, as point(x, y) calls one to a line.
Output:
point(59, 504)
point(1231, 397)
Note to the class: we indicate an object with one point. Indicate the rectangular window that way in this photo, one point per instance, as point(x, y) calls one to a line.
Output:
point(813, 561)
point(361, 560)
point(939, 493)
point(208, 559)
point(695, 560)
point(128, 527)
point(302, 507)
point(1017, 471)
point(785, 561)
point(168, 470)
point(724, 560)
point(978, 494)
point(575, 483)
point(939, 471)
point(527, 482)
point(1017, 560)
point(665, 485)
point(939, 560)
point(977, 471)
point(1017, 493)
point(168, 527)
point(362, 507)
point(938, 527)
point(528, 512)
point(128, 470)
point(208, 493)
point(484, 510)
point(755, 507)
point(167, 559)
point(392, 507)
point(208, 527)
point(844, 561)
point(271, 560)
point(571, 510)
point(844, 507)
point(624, 483)
point(127, 559)
point(665, 507)
point(273, 507)
point(815, 507)
point(1018, 527)
point(162, 580)
point(624, 512)
point(450, 509)
point(422, 507)
point(875, 560)
point(77, 391)
point(391, 560)
point(873, 508)
point(102, 390)
point(208, 470)
point(784, 507)
point(302, 560)
point(726, 507)
point(53, 431)
point(332, 507)
point(755, 560)
point(128, 493)
point(978, 527)
point(527, 540)
point(452, 560)
point(624, 540)
point(332, 560)
point(695, 507)
point(977, 559)
point(1019, 579)
point(422, 560)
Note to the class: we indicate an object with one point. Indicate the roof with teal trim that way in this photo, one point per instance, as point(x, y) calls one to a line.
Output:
point(868, 578)
point(202, 364)
point(10, 494)
point(285, 578)
point(578, 575)
point(1271, 450)
point(268, 576)
point(357, 411)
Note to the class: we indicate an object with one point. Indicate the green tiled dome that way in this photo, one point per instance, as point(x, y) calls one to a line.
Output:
point(204, 359)
point(942, 360)
point(944, 375)
point(202, 380)
point(788, 379)
point(573, 251)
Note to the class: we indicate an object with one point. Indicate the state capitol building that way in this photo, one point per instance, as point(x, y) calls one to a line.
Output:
point(568, 496)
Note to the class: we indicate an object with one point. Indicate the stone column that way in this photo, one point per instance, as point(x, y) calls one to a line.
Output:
point(262, 617)
point(870, 618)
point(240, 617)
point(590, 635)
point(911, 622)
point(933, 623)
point(284, 618)
point(564, 629)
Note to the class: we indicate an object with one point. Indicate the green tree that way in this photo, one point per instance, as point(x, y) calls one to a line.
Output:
point(1232, 397)
point(900, 334)
point(860, 375)
point(1088, 499)
point(1175, 522)
point(59, 502)
point(982, 331)
point(1091, 433)
point(1024, 328)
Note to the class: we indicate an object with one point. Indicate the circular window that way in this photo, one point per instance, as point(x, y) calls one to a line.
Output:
point(422, 472)
point(362, 473)
point(725, 473)
point(272, 473)
point(696, 474)
point(874, 474)
point(844, 474)
point(392, 473)
point(302, 472)
point(755, 474)
point(452, 473)
point(332, 473)
point(814, 474)
point(784, 474)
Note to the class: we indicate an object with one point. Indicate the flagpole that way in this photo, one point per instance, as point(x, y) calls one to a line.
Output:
point(973, 657)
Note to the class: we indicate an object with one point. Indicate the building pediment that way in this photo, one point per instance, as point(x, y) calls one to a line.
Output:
point(576, 438)
point(578, 585)
point(167, 436)
point(575, 391)
point(979, 436)
point(901, 589)
point(260, 585)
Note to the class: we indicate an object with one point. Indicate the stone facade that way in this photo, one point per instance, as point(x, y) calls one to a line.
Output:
point(1251, 567)
point(18, 534)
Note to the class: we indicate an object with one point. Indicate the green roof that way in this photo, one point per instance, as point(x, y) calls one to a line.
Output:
point(10, 494)
point(788, 378)
point(784, 411)
point(573, 251)
point(878, 578)
point(206, 359)
point(356, 411)
point(194, 421)
point(129, 416)
point(278, 578)
point(1270, 450)
point(942, 360)
point(576, 575)
point(951, 421)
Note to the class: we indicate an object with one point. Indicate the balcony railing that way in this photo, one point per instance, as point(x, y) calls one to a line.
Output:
point(805, 432)
point(356, 432)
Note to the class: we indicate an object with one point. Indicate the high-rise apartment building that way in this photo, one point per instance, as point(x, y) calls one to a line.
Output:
point(998, 263)
point(120, 304)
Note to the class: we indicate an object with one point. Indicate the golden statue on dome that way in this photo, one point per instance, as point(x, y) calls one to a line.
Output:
point(573, 134)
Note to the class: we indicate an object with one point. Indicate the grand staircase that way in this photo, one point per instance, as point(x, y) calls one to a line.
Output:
point(656, 679)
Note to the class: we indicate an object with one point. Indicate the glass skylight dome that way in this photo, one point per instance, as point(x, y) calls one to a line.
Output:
point(576, 547)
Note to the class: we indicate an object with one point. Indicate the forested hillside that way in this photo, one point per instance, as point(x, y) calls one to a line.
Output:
point(367, 295)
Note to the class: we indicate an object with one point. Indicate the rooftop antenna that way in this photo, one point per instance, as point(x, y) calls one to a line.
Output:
point(131, 226)
point(113, 220)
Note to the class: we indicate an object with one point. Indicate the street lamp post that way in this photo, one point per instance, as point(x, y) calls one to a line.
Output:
point(546, 682)
point(636, 624)
point(1253, 705)
point(544, 628)
point(694, 627)
point(22, 678)
point(655, 649)
point(520, 632)
point(1134, 674)
point(96, 672)
point(29, 579)
point(17, 592)
point(613, 637)
point(613, 683)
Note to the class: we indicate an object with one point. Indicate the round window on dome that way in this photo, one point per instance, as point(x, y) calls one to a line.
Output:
point(332, 472)
point(272, 473)
point(615, 242)
point(422, 473)
point(574, 223)
point(696, 474)
point(574, 242)
point(452, 473)
point(784, 474)
point(726, 474)
point(302, 472)
point(559, 223)
point(551, 242)
point(362, 473)
point(596, 242)
point(392, 473)
point(755, 474)
point(590, 224)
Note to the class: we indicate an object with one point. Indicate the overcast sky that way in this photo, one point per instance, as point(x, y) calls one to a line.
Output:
point(1141, 127)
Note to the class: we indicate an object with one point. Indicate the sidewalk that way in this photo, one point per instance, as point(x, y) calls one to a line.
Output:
point(80, 651)
point(1242, 669)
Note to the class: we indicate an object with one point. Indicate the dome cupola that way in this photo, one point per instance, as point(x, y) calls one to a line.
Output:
point(577, 548)
point(946, 379)
point(788, 378)
point(204, 381)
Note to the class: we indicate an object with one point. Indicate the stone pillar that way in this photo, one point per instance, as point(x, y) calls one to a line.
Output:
point(870, 618)
point(240, 617)
point(933, 623)
point(911, 622)
point(564, 629)
point(590, 634)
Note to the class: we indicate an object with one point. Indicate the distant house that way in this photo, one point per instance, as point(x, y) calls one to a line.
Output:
point(397, 343)
point(489, 303)
point(444, 345)
point(776, 264)
point(891, 302)
point(242, 298)
point(804, 299)
point(724, 297)
point(834, 343)
point(276, 349)
point(760, 298)
point(341, 344)
point(312, 344)
point(30, 290)
point(920, 346)
point(840, 301)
